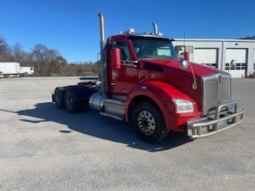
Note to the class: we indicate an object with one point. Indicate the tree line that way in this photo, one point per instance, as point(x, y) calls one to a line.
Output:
point(46, 62)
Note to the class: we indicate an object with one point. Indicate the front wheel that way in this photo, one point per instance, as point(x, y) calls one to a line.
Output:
point(149, 123)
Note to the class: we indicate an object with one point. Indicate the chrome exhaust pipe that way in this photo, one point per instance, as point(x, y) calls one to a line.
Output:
point(103, 76)
point(155, 27)
point(102, 39)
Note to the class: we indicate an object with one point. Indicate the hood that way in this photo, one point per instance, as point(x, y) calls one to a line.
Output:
point(173, 66)
point(169, 71)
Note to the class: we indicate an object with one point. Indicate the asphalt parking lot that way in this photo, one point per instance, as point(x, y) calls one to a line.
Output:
point(44, 148)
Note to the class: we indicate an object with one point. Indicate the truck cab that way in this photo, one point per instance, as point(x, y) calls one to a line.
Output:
point(144, 83)
point(136, 53)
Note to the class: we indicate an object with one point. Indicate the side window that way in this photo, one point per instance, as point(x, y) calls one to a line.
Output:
point(124, 52)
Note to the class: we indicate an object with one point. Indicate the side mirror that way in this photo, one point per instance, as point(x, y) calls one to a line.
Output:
point(183, 64)
point(115, 52)
point(232, 63)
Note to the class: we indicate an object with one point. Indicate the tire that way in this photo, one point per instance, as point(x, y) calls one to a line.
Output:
point(149, 123)
point(75, 99)
point(58, 97)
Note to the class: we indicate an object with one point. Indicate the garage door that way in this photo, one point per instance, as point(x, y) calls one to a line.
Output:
point(240, 56)
point(207, 56)
point(254, 61)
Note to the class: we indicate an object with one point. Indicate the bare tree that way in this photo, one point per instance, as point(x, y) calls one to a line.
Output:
point(19, 55)
point(5, 51)
point(46, 61)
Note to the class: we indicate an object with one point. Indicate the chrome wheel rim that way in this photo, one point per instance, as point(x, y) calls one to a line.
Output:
point(146, 123)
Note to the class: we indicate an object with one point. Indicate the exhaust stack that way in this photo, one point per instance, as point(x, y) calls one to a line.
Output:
point(102, 39)
point(155, 27)
point(103, 77)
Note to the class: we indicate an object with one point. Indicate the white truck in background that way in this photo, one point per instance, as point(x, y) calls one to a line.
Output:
point(10, 69)
point(26, 70)
point(13, 69)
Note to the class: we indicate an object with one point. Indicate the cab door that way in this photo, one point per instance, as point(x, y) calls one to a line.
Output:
point(123, 80)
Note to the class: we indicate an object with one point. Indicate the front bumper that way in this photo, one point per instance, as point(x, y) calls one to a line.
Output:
point(222, 120)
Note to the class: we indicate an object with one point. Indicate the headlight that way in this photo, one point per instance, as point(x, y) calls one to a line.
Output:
point(183, 106)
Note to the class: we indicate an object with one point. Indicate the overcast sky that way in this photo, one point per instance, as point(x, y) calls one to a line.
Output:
point(72, 26)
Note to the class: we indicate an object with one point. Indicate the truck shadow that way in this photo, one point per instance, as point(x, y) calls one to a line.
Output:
point(93, 124)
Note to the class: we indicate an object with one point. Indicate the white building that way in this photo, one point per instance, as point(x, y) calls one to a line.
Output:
point(219, 53)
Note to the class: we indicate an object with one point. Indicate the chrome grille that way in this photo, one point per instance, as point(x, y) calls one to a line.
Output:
point(216, 91)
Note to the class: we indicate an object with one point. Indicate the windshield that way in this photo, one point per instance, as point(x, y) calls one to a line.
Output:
point(153, 48)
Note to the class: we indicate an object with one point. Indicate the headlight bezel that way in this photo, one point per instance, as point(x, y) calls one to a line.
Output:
point(183, 106)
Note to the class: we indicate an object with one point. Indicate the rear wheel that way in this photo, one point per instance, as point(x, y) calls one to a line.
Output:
point(75, 99)
point(59, 97)
point(149, 123)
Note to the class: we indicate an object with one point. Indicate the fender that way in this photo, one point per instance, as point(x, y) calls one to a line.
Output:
point(162, 94)
point(80, 92)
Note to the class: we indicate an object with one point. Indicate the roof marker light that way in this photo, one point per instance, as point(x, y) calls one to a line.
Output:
point(131, 30)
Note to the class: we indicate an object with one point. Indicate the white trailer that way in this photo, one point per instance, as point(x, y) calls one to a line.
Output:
point(26, 70)
point(10, 69)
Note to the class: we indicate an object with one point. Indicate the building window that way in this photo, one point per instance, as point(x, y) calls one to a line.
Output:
point(239, 66)
point(214, 65)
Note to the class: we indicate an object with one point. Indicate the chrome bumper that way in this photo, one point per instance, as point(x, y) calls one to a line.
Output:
point(222, 120)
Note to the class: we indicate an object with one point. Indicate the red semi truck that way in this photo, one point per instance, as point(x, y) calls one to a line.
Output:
point(143, 82)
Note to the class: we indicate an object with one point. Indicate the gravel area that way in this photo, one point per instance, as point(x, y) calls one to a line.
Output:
point(43, 148)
